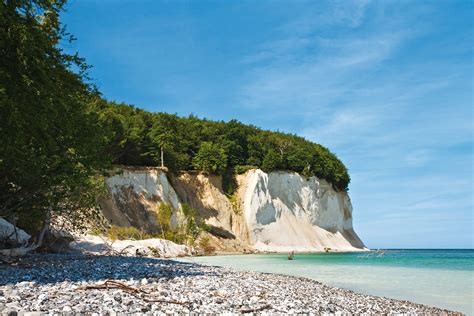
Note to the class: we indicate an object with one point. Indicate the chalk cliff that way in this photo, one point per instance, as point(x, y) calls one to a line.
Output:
point(136, 194)
point(276, 211)
point(284, 211)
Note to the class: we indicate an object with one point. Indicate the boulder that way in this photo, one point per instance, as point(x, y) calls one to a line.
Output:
point(153, 247)
point(7, 233)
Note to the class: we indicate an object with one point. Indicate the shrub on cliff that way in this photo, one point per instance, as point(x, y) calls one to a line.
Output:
point(122, 233)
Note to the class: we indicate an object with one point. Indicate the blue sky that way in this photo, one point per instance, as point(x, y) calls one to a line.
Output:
point(386, 85)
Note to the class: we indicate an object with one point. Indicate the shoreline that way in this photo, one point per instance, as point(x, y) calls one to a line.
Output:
point(259, 252)
point(75, 283)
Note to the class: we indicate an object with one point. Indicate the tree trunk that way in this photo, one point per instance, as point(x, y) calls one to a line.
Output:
point(162, 159)
point(24, 250)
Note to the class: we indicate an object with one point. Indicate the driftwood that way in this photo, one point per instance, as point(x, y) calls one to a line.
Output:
point(24, 250)
point(258, 309)
point(18, 252)
point(7, 260)
point(148, 300)
point(111, 284)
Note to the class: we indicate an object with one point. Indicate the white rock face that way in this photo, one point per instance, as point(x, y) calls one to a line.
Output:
point(150, 183)
point(7, 231)
point(136, 194)
point(278, 211)
point(286, 212)
point(204, 193)
point(147, 247)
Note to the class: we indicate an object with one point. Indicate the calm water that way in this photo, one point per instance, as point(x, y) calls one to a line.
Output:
point(443, 278)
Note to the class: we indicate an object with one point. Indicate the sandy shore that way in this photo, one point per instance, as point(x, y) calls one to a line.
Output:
point(78, 283)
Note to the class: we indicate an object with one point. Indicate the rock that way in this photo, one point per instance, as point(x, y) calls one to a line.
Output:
point(13, 305)
point(206, 289)
point(145, 247)
point(127, 302)
point(267, 209)
point(276, 202)
point(42, 297)
point(128, 190)
point(7, 231)
point(10, 312)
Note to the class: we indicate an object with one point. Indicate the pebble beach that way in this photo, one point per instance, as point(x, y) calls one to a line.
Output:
point(106, 285)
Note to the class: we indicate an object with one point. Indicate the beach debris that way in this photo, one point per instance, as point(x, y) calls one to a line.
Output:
point(153, 247)
point(10, 232)
point(257, 309)
point(113, 284)
point(147, 297)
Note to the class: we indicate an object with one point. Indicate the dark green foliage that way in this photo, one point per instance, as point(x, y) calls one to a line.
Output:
point(163, 217)
point(192, 229)
point(50, 140)
point(136, 136)
point(210, 157)
point(272, 161)
point(229, 182)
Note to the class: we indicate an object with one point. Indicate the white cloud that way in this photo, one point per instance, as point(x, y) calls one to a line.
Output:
point(385, 120)
point(307, 71)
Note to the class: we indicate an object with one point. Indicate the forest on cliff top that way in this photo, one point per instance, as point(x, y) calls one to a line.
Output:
point(135, 137)
point(58, 134)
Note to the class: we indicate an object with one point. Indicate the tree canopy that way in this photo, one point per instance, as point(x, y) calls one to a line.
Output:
point(50, 141)
point(191, 143)
point(210, 157)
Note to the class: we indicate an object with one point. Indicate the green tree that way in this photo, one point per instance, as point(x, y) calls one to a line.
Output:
point(210, 157)
point(182, 139)
point(271, 161)
point(163, 135)
point(164, 218)
point(50, 141)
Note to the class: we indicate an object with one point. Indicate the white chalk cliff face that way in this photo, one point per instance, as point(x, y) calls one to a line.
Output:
point(276, 211)
point(284, 211)
point(136, 194)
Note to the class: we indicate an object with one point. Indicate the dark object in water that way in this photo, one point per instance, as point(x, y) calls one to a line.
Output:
point(291, 255)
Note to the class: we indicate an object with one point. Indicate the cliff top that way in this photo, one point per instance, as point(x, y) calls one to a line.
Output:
point(140, 138)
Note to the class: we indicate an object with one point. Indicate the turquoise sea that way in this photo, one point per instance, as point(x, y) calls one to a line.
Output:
point(442, 278)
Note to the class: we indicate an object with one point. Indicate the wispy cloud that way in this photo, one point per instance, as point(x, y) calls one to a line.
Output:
point(309, 70)
point(385, 116)
point(386, 85)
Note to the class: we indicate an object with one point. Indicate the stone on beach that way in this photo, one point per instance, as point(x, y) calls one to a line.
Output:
point(7, 231)
point(146, 247)
point(75, 283)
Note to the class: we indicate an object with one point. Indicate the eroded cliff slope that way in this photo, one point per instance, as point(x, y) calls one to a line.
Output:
point(284, 211)
point(276, 211)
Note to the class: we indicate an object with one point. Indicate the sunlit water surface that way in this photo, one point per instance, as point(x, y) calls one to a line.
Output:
point(442, 278)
